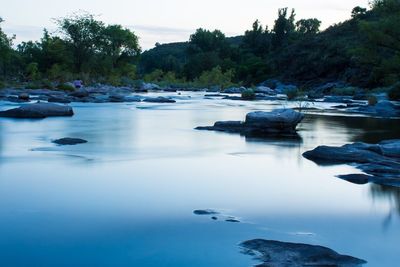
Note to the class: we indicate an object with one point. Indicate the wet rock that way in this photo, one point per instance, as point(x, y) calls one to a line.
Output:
point(381, 162)
point(264, 90)
point(205, 212)
point(23, 97)
point(38, 110)
point(382, 109)
point(159, 99)
point(69, 141)
point(283, 254)
point(59, 99)
point(277, 122)
point(149, 86)
point(80, 93)
point(232, 220)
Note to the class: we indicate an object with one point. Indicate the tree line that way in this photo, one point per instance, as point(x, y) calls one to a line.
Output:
point(363, 51)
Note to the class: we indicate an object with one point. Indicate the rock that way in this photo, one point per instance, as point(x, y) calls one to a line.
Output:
point(283, 254)
point(278, 122)
point(224, 126)
point(205, 212)
point(264, 90)
point(58, 99)
point(116, 98)
point(69, 141)
point(81, 92)
point(149, 86)
point(159, 99)
point(357, 178)
point(23, 96)
point(214, 218)
point(234, 90)
point(381, 162)
point(38, 110)
point(232, 220)
point(132, 99)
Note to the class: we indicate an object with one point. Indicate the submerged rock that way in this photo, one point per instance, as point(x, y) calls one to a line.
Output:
point(277, 122)
point(69, 141)
point(283, 254)
point(380, 161)
point(38, 110)
point(159, 99)
point(205, 212)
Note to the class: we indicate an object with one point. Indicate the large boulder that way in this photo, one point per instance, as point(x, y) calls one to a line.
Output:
point(80, 93)
point(284, 254)
point(278, 122)
point(264, 90)
point(38, 110)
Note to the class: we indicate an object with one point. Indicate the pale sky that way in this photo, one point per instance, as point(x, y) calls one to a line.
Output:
point(167, 21)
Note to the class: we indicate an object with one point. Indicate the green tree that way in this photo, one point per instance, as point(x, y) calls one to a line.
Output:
point(257, 40)
point(5, 51)
point(308, 26)
point(84, 35)
point(284, 26)
point(120, 44)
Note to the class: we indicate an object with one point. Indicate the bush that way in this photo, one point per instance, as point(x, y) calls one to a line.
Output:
point(372, 100)
point(65, 87)
point(248, 94)
point(2, 85)
point(344, 91)
point(394, 92)
point(292, 93)
point(44, 84)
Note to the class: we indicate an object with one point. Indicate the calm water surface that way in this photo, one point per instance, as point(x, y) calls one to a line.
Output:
point(127, 197)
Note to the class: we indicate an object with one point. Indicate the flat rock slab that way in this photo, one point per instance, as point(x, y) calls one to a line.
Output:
point(205, 212)
point(380, 162)
point(280, 122)
point(158, 100)
point(69, 141)
point(283, 254)
point(38, 110)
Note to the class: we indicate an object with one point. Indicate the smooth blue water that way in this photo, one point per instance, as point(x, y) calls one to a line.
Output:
point(127, 197)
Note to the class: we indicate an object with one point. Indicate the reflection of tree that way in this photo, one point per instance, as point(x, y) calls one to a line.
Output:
point(387, 192)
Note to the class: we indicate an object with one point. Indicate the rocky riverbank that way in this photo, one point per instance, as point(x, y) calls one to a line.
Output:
point(380, 162)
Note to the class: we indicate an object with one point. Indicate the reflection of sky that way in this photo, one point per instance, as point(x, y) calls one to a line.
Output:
point(168, 21)
point(127, 196)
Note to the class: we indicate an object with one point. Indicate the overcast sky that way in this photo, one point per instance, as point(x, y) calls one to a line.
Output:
point(167, 21)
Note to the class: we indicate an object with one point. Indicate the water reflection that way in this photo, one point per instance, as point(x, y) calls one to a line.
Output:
point(390, 194)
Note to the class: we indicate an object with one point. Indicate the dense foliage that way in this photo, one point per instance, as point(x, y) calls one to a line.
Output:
point(363, 51)
point(82, 48)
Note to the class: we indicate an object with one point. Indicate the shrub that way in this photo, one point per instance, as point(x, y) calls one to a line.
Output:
point(292, 93)
point(372, 100)
point(248, 94)
point(65, 87)
point(344, 91)
point(2, 85)
point(394, 92)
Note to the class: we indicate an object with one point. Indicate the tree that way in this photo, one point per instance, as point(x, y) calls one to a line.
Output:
point(257, 40)
point(308, 26)
point(5, 50)
point(120, 44)
point(83, 34)
point(358, 12)
point(284, 26)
